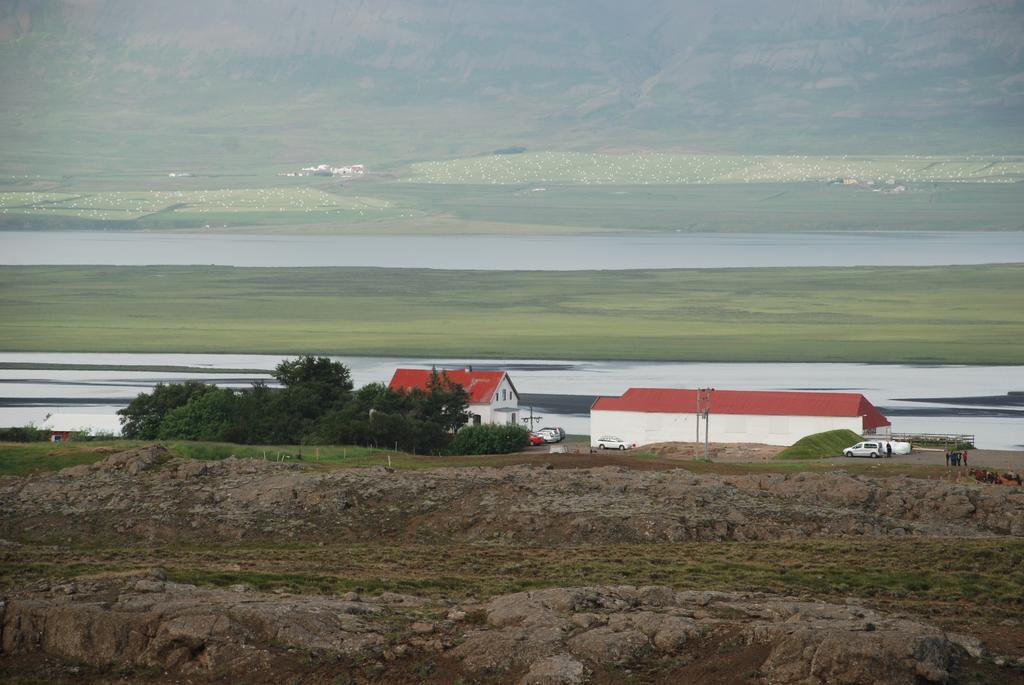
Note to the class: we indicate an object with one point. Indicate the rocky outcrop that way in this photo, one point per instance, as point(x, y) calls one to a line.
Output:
point(182, 627)
point(808, 642)
point(147, 495)
point(558, 636)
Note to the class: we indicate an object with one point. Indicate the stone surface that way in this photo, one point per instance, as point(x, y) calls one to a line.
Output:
point(551, 636)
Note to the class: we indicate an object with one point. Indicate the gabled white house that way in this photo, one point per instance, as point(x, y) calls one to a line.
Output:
point(492, 396)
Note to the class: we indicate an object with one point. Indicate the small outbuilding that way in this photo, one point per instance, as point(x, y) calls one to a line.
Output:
point(643, 416)
point(67, 427)
point(492, 396)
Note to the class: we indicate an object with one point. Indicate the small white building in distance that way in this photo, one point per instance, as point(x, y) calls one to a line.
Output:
point(65, 427)
point(642, 416)
point(492, 397)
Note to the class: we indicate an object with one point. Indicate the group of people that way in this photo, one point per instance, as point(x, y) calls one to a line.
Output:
point(956, 458)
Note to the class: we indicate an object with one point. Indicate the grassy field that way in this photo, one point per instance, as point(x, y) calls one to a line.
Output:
point(376, 205)
point(959, 581)
point(667, 168)
point(199, 207)
point(969, 314)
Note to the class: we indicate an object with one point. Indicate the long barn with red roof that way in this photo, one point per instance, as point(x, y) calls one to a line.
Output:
point(647, 415)
point(492, 396)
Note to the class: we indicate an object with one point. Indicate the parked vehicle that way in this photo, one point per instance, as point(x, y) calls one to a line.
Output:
point(899, 447)
point(866, 449)
point(610, 442)
point(536, 439)
point(550, 434)
point(558, 432)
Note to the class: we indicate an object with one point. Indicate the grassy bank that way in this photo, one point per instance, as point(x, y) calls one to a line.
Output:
point(970, 314)
point(21, 459)
point(820, 445)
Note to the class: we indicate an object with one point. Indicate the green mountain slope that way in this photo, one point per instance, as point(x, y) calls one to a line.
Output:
point(114, 84)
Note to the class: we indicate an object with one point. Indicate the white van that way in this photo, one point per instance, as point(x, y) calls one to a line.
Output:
point(866, 449)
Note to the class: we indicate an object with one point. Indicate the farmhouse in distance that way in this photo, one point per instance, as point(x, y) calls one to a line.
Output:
point(492, 396)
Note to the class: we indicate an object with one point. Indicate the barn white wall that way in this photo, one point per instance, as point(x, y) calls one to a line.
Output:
point(643, 428)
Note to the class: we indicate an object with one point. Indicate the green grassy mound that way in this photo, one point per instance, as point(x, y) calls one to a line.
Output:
point(820, 445)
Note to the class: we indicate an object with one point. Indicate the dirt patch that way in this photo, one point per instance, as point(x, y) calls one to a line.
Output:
point(728, 660)
point(730, 453)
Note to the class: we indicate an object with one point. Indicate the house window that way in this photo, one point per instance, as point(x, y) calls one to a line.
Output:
point(503, 394)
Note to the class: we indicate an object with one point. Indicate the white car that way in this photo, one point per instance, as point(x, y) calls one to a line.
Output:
point(866, 449)
point(610, 442)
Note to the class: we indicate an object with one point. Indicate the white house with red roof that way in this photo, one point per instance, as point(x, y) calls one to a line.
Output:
point(647, 415)
point(492, 396)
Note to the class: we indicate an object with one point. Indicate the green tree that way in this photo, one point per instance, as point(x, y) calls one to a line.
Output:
point(142, 418)
point(312, 387)
point(446, 403)
point(211, 415)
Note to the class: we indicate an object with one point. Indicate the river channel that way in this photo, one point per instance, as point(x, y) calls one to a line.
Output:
point(980, 400)
point(636, 250)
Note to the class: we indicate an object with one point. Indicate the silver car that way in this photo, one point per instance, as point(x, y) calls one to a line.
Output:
point(550, 434)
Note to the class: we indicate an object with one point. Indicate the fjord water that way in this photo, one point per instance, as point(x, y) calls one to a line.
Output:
point(636, 250)
point(30, 394)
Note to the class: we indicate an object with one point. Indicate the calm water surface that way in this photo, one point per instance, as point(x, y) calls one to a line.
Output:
point(505, 252)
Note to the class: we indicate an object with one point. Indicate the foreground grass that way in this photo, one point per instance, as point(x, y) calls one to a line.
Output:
point(969, 314)
point(961, 580)
point(22, 459)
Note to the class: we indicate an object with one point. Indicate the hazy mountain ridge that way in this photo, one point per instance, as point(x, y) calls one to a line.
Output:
point(735, 73)
point(423, 35)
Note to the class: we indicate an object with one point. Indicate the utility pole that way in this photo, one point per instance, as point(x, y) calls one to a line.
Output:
point(704, 407)
point(532, 419)
point(697, 439)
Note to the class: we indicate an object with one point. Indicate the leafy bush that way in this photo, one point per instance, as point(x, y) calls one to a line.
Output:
point(489, 439)
point(28, 433)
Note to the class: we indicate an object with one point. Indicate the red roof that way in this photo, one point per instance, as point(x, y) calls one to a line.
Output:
point(481, 385)
point(750, 402)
